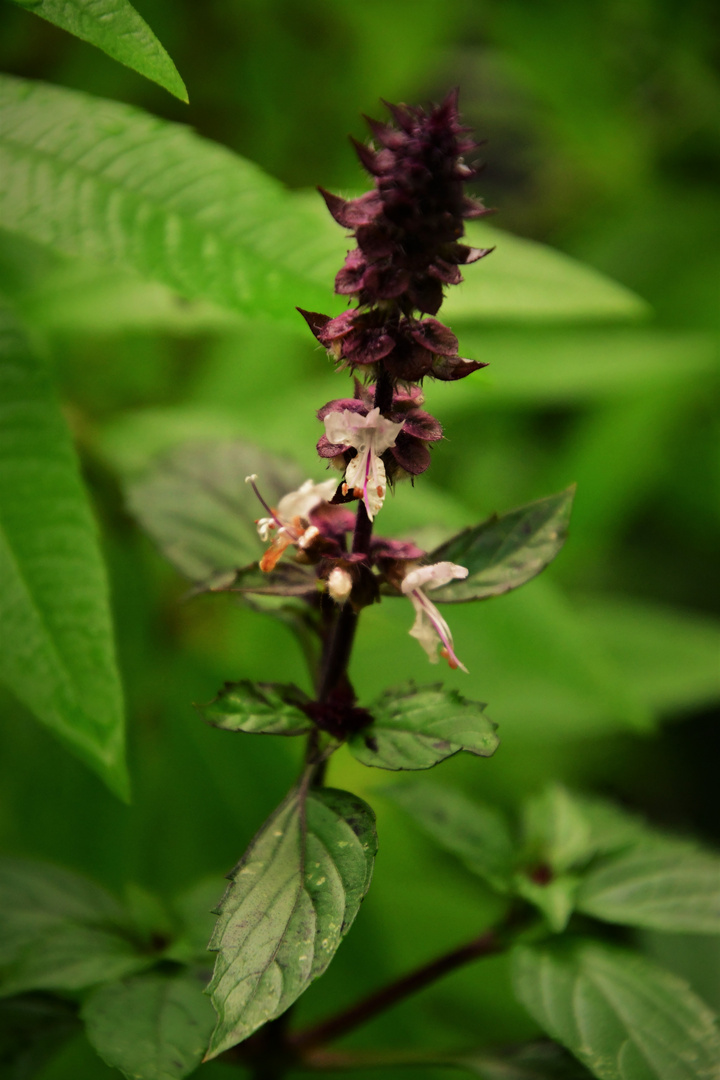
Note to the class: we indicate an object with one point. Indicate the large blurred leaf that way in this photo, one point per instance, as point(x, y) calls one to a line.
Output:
point(116, 28)
point(195, 504)
point(99, 180)
point(32, 1028)
point(621, 1015)
point(505, 551)
point(56, 653)
point(660, 884)
point(152, 1027)
point(416, 727)
point(476, 832)
point(60, 932)
point(292, 897)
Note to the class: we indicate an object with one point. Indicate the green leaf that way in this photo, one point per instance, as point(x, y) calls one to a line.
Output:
point(264, 708)
point(98, 180)
point(504, 552)
point(196, 506)
point(416, 727)
point(477, 833)
point(116, 28)
point(554, 898)
point(57, 653)
point(526, 280)
point(661, 884)
point(60, 932)
point(153, 1027)
point(32, 1029)
point(621, 1015)
point(292, 898)
point(556, 831)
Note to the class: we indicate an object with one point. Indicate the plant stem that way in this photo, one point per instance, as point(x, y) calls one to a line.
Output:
point(490, 942)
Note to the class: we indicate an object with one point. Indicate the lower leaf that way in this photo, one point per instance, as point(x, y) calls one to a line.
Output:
point(292, 897)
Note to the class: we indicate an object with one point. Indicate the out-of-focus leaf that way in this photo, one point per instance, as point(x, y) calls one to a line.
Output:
point(259, 708)
point(537, 1061)
point(526, 280)
point(660, 884)
point(60, 932)
point(99, 180)
point(195, 504)
point(555, 830)
point(292, 898)
point(554, 898)
point(416, 727)
point(56, 648)
point(505, 551)
point(32, 1028)
point(621, 1015)
point(477, 833)
point(195, 910)
point(116, 28)
point(152, 1027)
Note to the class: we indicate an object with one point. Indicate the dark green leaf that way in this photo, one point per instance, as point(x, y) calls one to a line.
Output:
point(195, 909)
point(99, 180)
point(291, 899)
point(416, 727)
point(60, 932)
point(659, 884)
point(32, 1028)
point(153, 1027)
point(504, 552)
point(116, 28)
point(264, 708)
point(621, 1015)
point(56, 653)
point(476, 832)
point(198, 509)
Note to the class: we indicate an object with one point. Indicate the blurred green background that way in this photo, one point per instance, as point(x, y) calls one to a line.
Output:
point(602, 123)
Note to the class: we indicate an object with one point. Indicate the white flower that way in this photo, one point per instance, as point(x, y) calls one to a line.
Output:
point(339, 585)
point(429, 627)
point(371, 436)
point(290, 518)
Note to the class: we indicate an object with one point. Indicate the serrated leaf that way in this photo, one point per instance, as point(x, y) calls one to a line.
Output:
point(116, 28)
point(260, 708)
point(533, 282)
point(60, 932)
point(196, 506)
point(417, 727)
point(98, 180)
point(292, 898)
point(476, 832)
point(56, 652)
point(32, 1029)
point(624, 1017)
point(660, 884)
point(153, 1027)
point(505, 551)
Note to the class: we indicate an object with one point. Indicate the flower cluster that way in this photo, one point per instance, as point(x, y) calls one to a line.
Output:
point(407, 232)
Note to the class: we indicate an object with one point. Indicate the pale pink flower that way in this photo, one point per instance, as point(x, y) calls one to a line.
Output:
point(430, 627)
point(288, 524)
point(371, 436)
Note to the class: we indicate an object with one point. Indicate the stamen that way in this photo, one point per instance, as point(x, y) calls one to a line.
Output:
point(251, 481)
point(441, 629)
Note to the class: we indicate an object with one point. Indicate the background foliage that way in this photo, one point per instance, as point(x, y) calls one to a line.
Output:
point(602, 123)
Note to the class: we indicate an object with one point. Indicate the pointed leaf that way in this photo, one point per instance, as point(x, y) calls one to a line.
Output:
point(554, 898)
point(60, 932)
point(556, 830)
point(504, 552)
point(99, 180)
point(291, 899)
point(660, 884)
point(261, 708)
point(56, 652)
point(196, 506)
point(416, 727)
point(621, 1015)
point(116, 28)
point(153, 1027)
point(476, 832)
